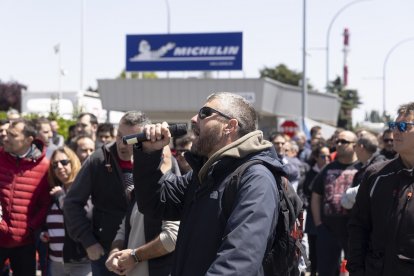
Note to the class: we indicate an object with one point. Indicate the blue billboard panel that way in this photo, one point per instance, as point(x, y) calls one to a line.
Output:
point(184, 52)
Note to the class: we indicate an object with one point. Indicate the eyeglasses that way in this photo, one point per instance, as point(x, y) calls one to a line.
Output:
point(388, 140)
point(401, 126)
point(206, 111)
point(324, 156)
point(343, 142)
point(64, 162)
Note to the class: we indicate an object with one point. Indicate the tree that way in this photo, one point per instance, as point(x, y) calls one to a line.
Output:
point(283, 74)
point(11, 95)
point(349, 101)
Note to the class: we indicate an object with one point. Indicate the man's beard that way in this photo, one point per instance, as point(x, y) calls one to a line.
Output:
point(207, 141)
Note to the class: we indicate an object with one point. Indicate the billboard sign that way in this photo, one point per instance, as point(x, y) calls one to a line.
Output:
point(184, 52)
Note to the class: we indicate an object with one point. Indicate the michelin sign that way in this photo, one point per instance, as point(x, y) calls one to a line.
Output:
point(184, 52)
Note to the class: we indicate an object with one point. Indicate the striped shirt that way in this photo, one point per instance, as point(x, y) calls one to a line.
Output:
point(56, 230)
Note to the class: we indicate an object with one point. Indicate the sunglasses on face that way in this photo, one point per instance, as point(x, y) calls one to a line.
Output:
point(64, 162)
point(342, 142)
point(401, 126)
point(206, 111)
point(324, 156)
point(388, 140)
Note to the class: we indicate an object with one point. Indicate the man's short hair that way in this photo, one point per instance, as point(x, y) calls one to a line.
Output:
point(4, 121)
point(314, 130)
point(387, 131)
point(74, 145)
point(134, 118)
point(92, 118)
point(275, 134)
point(106, 127)
point(239, 108)
point(29, 128)
point(38, 122)
point(369, 141)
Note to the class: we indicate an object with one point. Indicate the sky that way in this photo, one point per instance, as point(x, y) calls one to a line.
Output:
point(272, 34)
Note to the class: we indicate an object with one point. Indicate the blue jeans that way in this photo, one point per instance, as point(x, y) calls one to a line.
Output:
point(99, 268)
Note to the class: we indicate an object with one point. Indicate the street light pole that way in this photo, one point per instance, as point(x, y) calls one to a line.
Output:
point(304, 82)
point(81, 46)
point(384, 70)
point(167, 4)
point(328, 34)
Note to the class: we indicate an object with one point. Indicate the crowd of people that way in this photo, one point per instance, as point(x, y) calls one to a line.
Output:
point(92, 205)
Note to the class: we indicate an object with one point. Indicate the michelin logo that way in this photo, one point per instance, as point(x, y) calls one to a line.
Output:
point(198, 53)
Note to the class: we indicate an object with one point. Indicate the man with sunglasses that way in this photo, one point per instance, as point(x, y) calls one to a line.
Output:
point(381, 226)
point(388, 144)
point(24, 196)
point(209, 242)
point(330, 217)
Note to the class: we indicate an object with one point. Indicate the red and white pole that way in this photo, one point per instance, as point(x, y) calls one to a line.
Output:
point(346, 51)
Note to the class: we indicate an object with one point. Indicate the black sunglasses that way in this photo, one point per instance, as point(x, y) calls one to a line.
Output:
point(343, 142)
point(64, 162)
point(401, 126)
point(388, 140)
point(206, 111)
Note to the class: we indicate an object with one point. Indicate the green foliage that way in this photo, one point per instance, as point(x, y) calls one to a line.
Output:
point(349, 100)
point(137, 75)
point(64, 126)
point(63, 123)
point(283, 74)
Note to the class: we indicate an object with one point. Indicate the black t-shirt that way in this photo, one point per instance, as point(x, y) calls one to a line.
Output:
point(331, 183)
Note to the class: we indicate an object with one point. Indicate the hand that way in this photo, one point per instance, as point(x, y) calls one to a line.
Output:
point(112, 263)
point(44, 236)
point(55, 190)
point(95, 252)
point(125, 260)
point(158, 135)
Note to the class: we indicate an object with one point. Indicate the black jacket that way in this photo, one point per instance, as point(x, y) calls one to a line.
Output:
point(208, 243)
point(381, 227)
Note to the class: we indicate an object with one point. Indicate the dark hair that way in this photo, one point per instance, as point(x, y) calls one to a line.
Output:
point(4, 121)
point(387, 131)
point(92, 117)
point(275, 134)
point(28, 129)
point(38, 122)
point(133, 118)
point(314, 130)
point(106, 127)
point(74, 143)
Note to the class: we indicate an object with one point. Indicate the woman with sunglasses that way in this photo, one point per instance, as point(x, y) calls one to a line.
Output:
point(66, 257)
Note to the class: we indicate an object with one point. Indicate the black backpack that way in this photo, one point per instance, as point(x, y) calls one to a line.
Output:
point(284, 247)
